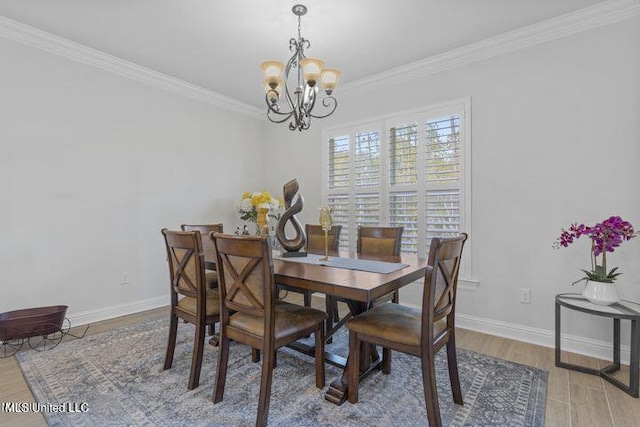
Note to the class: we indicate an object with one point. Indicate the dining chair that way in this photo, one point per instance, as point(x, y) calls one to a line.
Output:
point(414, 331)
point(375, 240)
point(191, 299)
point(315, 245)
point(207, 246)
point(247, 288)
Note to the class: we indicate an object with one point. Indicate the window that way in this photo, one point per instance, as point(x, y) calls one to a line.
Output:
point(410, 170)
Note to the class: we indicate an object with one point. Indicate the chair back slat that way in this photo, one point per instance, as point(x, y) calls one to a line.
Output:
point(245, 271)
point(379, 240)
point(441, 282)
point(205, 230)
point(186, 262)
point(315, 238)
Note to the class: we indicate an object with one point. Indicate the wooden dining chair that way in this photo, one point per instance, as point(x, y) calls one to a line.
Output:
point(207, 246)
point(414, 331)
point(259, 319)
point(191, 299)
point(315, 245)
point(375, 240)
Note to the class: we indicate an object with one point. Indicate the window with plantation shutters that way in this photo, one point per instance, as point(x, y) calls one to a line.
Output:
point(409, 170)
point(367, 209)
point(339, 162)
point(340, 213)
point(403, 154)
point(403, 212)
point(367, 160)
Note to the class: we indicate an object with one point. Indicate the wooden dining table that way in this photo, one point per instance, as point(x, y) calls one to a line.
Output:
point(355, 287)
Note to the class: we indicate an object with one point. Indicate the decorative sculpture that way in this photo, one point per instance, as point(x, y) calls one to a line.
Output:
point(326, 221)
point(291, 247)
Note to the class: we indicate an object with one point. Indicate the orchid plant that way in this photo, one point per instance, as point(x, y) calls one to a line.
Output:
point(605, 237)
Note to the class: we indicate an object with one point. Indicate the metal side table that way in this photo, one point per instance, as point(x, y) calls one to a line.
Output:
point(622, 310)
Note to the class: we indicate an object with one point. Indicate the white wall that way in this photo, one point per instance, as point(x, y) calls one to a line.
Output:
point(92, 166)
point(555, 140)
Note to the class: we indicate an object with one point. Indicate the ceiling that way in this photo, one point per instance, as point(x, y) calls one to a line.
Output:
point(220, 44)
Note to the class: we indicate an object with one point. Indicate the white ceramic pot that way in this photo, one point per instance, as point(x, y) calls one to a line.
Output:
point(601, 293)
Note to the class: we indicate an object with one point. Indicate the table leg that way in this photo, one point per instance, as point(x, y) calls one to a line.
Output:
point(557, 334)
point(370, 361)
point(616, 342)
point(634, 365)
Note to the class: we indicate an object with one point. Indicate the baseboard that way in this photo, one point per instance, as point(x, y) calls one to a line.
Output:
point(106, 313)
point(543, 337)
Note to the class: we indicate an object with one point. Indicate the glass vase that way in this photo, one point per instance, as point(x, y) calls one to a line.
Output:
point(262, 221)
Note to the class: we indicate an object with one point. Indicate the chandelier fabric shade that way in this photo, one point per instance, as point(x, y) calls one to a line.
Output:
point(298, 105)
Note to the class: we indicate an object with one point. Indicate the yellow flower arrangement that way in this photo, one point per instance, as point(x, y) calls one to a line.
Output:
point(250, 202)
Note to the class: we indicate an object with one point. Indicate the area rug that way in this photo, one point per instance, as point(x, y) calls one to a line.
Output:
point(116, 379)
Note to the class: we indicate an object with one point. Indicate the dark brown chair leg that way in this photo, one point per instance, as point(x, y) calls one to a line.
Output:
point(353, 367)
point(430, 389)
point(319, 335)
point(396, 297)
point(335, 310)
point(255, 355)
point(265, 387)
point(221, 375)
point(307, 298)
point(171, 345)
point(212, 329)
point(196, 358)
point(386, 360)
point(452, 361)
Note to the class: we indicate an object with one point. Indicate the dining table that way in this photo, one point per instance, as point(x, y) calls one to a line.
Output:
point(354, 278)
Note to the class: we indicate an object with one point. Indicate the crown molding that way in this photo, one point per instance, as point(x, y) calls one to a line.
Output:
point(600, 14)
point(51, 43)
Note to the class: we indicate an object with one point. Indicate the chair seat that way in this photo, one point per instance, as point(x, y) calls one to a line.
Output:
point(211, 277)
point(290, 318)
point(212, 303)
point(394, 323)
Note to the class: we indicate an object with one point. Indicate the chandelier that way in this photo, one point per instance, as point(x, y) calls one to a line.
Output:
point(310, 74)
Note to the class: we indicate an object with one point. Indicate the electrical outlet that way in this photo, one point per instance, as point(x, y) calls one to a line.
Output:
point(125, 279)
point(525, 296)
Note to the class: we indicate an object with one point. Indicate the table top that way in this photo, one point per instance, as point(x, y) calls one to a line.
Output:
point(355, 285)
point(621, 310)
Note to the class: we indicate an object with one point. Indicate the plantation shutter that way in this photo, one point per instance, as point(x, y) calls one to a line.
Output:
point(339, 162)
point(403, 146)
point(403, 212)
point(367, 160)
point(443, 200)
point(340, 214)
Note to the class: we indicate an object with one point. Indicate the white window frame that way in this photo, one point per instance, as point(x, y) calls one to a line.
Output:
point(384, 123)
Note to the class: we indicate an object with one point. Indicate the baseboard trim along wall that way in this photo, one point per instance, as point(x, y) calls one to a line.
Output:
point(106, 313)
point(546, 338)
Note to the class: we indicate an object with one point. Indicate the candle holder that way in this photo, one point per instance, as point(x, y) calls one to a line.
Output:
point(326, 221)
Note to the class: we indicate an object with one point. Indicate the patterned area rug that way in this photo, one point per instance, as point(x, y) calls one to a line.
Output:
point(118, 374)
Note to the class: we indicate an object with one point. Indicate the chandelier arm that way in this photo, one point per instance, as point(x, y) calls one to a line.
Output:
point(327, 102)
point(286, 117)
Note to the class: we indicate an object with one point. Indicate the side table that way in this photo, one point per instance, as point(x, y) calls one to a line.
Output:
point(622, 310)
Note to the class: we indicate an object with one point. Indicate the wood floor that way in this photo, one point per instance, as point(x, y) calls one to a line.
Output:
point(573, 399)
